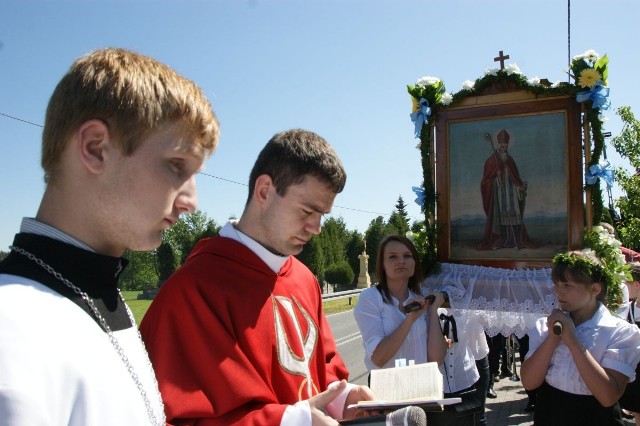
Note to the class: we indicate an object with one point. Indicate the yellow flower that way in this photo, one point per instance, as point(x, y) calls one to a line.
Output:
point(415, 103)
point(589, 77)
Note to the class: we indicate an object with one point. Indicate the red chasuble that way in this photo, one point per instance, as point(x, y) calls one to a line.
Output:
point(232, 342)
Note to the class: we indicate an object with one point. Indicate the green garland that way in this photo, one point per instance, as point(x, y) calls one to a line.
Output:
point(607, 249)
point(433, 90)
point(586, 266)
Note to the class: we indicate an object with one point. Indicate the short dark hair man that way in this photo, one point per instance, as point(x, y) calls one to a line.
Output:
point(237, 335)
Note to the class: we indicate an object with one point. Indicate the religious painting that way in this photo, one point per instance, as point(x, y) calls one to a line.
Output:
point(511, 192)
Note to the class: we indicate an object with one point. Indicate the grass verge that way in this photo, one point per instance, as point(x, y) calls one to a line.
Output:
point(139, 307)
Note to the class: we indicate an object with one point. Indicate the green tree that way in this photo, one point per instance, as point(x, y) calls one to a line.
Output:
point(399, 220)
point(3, 254)
point(141, 272)
point(313, 257)
point(188, 231)
point(627, 144)
point(373, 235)
point(168, 261)
point(340, 273)
point(353, 250)
point(333, 240)
point(146, 268)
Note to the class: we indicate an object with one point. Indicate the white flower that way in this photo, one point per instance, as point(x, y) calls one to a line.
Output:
point(620, 258)
point(447, 98)
point(513, 69)
point(427, 81)
point(591, 56)
point(534, 81)
point(578, 57)
point(598, 229)
point(589, 252)
point(491, 71)
point(468, 85)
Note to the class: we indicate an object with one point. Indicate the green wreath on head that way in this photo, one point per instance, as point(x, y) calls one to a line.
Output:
point(612, 272)
point(597, 272)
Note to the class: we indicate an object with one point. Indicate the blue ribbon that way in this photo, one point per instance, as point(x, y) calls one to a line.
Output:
point(420, 193)
point(421, 115)
point(600, 171)
point(598, 94)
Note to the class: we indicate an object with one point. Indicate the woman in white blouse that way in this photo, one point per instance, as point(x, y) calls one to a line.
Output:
point(388, 332)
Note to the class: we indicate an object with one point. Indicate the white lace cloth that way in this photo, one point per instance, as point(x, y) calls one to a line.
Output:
point(501, 300)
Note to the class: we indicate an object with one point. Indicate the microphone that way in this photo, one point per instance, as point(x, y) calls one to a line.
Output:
point(414, 306)
point(407, 416)
point(557, 328)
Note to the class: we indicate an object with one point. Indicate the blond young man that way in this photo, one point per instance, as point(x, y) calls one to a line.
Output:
point(124, 136)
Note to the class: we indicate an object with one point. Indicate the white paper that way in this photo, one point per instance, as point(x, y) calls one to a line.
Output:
point(413, 382)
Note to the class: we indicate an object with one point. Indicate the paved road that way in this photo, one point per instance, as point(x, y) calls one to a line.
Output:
point(349, 341)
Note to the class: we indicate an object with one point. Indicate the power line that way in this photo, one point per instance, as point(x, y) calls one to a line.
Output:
point(20, 119)
point(226, 180)
point(340, 207)
point(207, 174)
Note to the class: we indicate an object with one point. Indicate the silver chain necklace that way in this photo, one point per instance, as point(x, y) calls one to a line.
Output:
point(112, 338)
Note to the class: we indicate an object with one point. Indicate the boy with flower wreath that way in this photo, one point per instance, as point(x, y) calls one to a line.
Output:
point(581, 372)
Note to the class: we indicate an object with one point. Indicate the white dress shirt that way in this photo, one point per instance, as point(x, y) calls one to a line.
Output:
point(377, 320)
point(613, 343)
point(459, 367)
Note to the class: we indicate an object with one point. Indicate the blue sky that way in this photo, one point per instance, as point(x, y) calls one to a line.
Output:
point(336, 67)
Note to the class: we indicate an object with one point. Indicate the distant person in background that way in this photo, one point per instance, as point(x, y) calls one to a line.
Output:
point(461, 376)
point(237, 335)
point(479, 347)
point(499, 358)
point(123, 138)
point(523, 350)
point(503, 199)
point(465, 369)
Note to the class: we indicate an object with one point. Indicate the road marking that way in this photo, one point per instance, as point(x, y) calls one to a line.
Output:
point(348, 338)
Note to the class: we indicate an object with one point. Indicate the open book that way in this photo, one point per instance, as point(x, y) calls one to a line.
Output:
point(419, 384)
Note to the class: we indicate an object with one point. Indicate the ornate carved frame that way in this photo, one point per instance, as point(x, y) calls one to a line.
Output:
point(508, 106)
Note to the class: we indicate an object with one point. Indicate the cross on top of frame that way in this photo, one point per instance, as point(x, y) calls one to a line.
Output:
point(501, 58)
